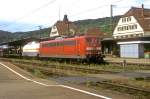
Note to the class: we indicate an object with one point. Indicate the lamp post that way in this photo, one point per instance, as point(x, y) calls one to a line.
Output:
point(111, 17)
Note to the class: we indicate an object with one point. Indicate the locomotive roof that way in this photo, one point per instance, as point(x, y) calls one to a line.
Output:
point(68, 38)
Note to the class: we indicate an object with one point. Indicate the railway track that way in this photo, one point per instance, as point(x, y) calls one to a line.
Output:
point(87, 69)
point(145, 94)
point(48, 69)
point(100, 84)
point(128, 64)
point(128, 61)
point(63, 67)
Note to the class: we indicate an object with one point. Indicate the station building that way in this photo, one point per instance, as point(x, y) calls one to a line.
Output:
point(132, 33)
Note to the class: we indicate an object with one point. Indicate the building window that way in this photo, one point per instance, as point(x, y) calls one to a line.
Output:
point(123, 20)
point(137, 35)
point(129, 27)
point(135, 26)
point(53, 32)
point(121, 28)
point(131, 35)
point(126, 19)
point(118, 29)
point(123, 36)
point(141, 35)
point(54, 27)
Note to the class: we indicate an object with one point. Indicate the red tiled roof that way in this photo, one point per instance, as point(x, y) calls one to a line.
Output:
point(142, 15)
point(65, 27)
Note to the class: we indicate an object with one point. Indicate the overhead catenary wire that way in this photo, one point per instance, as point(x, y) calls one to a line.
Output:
point(32, 27)
point(43, 6)
point(28, 14)
point(92, 9)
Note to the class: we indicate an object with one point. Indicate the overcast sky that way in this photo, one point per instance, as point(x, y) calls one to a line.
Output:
point(25, 15)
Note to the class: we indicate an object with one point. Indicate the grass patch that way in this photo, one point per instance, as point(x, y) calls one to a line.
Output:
point(38, 73)
point(109, 67)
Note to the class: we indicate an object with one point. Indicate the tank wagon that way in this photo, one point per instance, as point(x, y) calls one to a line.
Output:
point(31, 49)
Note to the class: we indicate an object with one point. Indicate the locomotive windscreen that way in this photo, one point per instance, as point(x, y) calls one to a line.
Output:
point(91, 41)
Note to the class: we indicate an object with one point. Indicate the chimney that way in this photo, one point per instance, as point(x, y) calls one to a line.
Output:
point(66, 21)
point(142, 6)
point(65, 18)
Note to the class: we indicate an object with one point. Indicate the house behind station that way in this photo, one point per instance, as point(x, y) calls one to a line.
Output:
point(63, 28)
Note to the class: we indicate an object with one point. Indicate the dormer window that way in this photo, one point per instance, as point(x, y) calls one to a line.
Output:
point(54, 27)
point(126, 19)
point(123, 20)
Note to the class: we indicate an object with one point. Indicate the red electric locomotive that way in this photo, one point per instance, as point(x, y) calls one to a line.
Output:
point(82, 47)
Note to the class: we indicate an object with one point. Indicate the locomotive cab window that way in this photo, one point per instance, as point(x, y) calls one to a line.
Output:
point(93, 40)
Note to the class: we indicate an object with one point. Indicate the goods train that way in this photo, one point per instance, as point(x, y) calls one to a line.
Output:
point(85, 47)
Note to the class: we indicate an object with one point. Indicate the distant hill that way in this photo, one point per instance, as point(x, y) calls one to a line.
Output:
point(37, 34)
point(8, 36)
point(5, 36)
point(103, 23)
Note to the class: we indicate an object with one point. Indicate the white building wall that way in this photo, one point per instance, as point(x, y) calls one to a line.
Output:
point(127, 27)
point(54, 32)
point(129, 51)
point(133, 49)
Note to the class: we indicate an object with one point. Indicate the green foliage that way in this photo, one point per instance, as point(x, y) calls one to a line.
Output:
point(105, 24)
point(5, 36)
point(36, 34)
point(38, 73)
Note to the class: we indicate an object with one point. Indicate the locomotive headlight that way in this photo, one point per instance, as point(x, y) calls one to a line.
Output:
point(98, 48)
point(89, 48)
